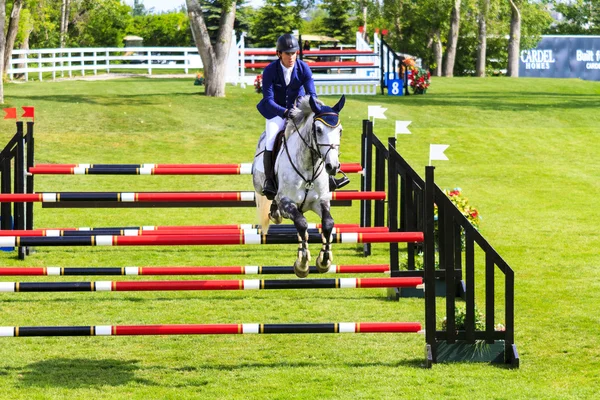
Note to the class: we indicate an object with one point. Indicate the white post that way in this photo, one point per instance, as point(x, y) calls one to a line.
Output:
point(107, 63)
point(186, 62)
point(95, 62)
point(53, 65)
point(149, 63)
point(242, 60)
point(70, 64)
point(27, 66)
point(40, 65)
point(82, 64)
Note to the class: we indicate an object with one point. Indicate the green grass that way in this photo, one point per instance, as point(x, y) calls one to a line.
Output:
point(525, 152)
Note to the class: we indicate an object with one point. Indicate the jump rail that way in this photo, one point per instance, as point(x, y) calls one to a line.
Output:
point(166, 232)
point(204, 240)
point(172, 197)
point(157, 169)
point(216, 329)
point(154, 271)
point(230, 284)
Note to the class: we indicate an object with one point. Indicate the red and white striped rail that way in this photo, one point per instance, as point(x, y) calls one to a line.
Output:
point(211, 329)
point(158, 169)
point(200, 240)
point(162, 232)
point(154, 271)
point(240, 284)
point(173, 197)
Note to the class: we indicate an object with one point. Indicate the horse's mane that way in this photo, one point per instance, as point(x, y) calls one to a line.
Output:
point(300, 118)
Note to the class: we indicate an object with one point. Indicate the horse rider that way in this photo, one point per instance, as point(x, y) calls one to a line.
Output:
point(284, 80)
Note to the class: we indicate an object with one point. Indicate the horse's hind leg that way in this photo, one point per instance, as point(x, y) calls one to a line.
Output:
point(325, 257)
point(274, 214)
point(289, 210)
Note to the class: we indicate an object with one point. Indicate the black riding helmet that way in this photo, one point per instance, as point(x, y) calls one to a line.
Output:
point(287, 43)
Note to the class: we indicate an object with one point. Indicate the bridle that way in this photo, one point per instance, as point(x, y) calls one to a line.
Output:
point(313, 145)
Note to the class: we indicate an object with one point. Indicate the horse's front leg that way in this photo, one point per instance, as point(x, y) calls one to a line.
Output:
point(289, 210)
point(325, 255)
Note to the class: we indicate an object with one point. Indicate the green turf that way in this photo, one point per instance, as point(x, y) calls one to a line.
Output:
point(524, 151)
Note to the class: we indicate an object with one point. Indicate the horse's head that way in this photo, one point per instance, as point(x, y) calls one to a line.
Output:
point(327, 132)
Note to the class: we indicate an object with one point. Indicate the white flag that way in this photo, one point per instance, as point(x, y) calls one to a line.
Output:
point(436, 152)
point(377, 112)
point(402, 127)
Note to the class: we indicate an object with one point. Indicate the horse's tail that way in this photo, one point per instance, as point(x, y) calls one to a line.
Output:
point(263, 208)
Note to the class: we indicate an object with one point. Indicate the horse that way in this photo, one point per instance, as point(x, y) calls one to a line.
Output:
point(308, 155)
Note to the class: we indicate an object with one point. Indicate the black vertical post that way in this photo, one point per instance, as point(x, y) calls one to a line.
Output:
point(470, 286)
point(380, 157)
point(29, 181)
point(430, 313)
point(489, 298)
point(392, 223)
point(409, 217)
point(446, 241)
point(6, 188)
point(509, 316)
point(368, 181)
point(19, 177)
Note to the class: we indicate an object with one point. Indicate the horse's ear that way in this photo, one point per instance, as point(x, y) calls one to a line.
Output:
point(314, 106)
point(340, 104)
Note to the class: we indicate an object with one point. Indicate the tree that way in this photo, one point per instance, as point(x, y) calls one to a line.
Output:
point(11, 35)
point(272, 20)
point(2, 45)
point(214, 55)
point(139, 9)
point(337, 21)
point(64, 21)
point(169, 29)
point(452, 39)
point(100, 23)
point(514, 42)
point(581, 17)
point(484, 6)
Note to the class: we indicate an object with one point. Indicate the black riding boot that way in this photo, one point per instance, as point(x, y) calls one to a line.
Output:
point(269, 187)
point(337, 183)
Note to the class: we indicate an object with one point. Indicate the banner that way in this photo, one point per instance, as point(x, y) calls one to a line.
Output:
point(562, 57)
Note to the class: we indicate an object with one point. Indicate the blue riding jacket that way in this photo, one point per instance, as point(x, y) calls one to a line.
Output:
point(277, 96)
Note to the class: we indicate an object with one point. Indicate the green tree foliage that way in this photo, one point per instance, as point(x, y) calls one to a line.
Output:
point(169, 29)
point(212, 16)
point(100, 23)
point(275, 18)
point(581, 17)
point(138, 8)
point(336, 22)
point(92, 23)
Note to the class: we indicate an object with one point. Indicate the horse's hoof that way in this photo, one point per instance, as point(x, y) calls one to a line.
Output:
point(276, 219)
point(301, 268)
point(324, 262)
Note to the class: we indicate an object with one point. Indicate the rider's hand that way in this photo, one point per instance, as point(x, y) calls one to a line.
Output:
point(292, 113)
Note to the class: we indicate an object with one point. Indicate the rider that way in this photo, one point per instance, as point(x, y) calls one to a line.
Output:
point(284, 80)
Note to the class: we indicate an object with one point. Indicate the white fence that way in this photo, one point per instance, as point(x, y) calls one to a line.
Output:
point(32, 64)
point(69, 61)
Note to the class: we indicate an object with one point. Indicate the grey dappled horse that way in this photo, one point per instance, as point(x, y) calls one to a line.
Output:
point(308, 156)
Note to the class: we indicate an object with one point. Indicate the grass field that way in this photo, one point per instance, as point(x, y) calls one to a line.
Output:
point(524, 151)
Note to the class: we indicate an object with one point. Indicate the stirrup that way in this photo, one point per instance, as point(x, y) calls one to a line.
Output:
point(338, 183)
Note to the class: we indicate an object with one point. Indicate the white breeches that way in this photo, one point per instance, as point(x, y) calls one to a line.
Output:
point(273, 127)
